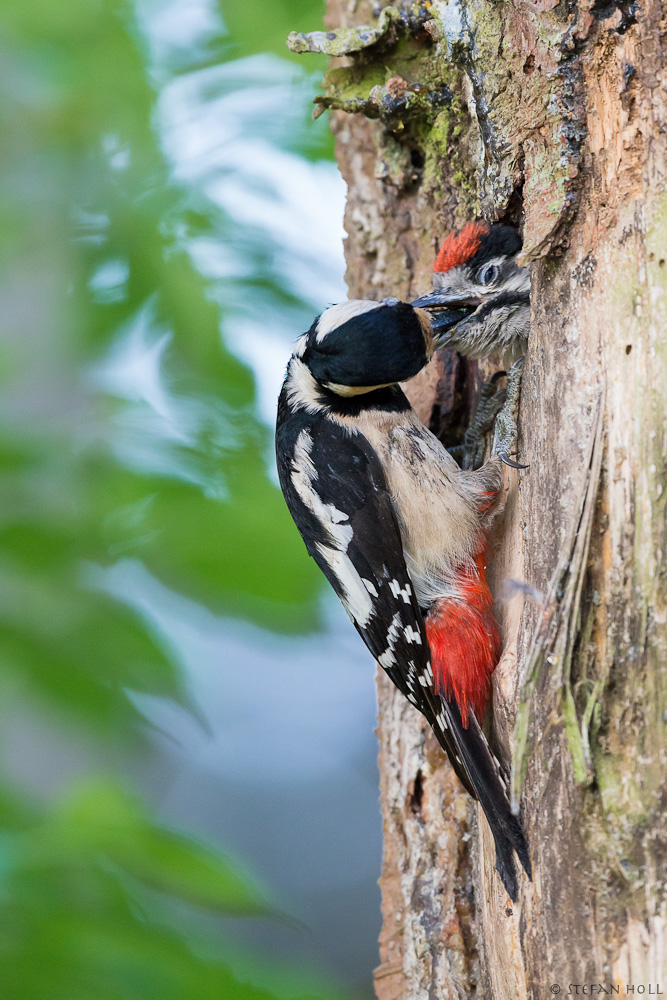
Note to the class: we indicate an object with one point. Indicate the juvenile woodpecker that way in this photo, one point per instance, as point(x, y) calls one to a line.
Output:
point(481, 298)
point(399, 530)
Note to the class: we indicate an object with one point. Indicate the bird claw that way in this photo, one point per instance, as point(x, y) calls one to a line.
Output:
point(471, 453)
point(505, 436)
point(497, 408)
point(508, 461)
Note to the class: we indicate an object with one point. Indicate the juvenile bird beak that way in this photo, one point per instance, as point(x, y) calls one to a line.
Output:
point(446, 311)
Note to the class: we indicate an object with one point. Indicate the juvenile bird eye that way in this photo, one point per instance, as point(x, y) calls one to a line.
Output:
point(488, 274)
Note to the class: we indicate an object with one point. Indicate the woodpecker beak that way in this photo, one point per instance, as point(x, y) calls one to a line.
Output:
point(446, 311)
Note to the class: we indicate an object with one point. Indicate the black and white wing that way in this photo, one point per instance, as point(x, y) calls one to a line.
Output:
point(336, 491)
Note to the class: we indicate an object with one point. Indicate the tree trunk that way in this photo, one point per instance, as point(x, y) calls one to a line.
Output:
point(552, 116)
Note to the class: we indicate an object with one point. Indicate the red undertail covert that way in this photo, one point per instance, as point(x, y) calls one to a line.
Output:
point(465, 643)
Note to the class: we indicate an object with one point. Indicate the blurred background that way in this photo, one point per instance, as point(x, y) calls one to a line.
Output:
point(188, 794)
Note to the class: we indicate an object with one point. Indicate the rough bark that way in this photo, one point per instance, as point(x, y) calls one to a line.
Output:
point(555, 118)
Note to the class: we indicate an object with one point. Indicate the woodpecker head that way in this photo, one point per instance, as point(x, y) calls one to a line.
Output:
point(361, 345)
point(481, 299)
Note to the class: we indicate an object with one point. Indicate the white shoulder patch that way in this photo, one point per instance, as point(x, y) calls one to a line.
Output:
point(304, 476)
point(337, 315)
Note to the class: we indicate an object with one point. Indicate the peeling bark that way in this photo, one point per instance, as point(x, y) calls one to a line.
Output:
point(556, 120)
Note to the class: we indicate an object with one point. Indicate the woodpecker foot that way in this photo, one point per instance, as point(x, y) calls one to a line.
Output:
point(505, 436)
point(471, 452)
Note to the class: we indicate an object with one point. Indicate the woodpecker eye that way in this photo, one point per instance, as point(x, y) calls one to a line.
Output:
point(488, 274)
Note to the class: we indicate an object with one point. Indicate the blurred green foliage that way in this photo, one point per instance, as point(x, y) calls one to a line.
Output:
point(77, 921)
point(91, 243)
point(203, 514)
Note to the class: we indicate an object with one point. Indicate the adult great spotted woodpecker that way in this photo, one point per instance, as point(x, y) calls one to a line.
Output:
point(399, 530)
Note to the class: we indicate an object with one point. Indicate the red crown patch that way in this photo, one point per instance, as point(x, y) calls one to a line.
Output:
point(460, 247)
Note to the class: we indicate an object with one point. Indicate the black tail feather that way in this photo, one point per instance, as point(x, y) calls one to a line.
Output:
point(474, 756)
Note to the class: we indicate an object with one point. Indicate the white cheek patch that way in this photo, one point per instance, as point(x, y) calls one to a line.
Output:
point(335, 316)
